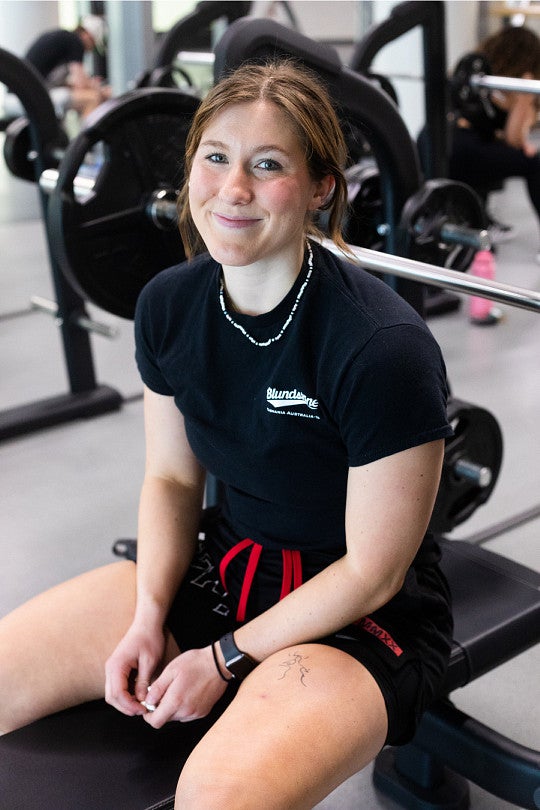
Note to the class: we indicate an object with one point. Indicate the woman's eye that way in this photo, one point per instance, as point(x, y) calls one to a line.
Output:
point(268, 165)
point(216, 157)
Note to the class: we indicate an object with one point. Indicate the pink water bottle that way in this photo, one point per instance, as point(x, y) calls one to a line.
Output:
point(481, 310)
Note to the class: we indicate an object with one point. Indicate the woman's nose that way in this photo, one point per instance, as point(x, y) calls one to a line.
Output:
point(236, 186)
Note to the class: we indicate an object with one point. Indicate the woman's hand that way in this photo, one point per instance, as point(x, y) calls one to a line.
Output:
point(187, 689)
point(138, 655)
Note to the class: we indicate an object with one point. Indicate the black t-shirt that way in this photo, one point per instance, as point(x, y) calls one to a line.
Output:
point(55, 48)
point(355, 377)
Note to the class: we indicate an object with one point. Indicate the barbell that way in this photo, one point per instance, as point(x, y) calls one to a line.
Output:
point(505, 83)
point(159, 208)
point(140, 140)
point(472, 83)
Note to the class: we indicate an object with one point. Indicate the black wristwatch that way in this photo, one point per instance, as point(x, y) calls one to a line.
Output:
point(238, 663)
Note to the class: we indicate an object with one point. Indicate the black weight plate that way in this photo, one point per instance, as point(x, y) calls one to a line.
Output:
point(365, 212)
point(106, 245)
point(436, 203)
point(478, 439)
point(472, 103)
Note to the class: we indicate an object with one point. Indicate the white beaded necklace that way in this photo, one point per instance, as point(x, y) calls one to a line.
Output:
point(261, 344)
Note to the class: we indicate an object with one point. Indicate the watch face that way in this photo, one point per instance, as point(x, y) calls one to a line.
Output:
point(237, 662)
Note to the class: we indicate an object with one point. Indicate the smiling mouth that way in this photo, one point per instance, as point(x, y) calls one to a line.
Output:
point(235, 222)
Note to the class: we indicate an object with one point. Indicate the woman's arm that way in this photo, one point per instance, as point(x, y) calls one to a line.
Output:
point(170, 507)
point(169, 515)
point(522, 113)
point(389, 504)
point(78, 77)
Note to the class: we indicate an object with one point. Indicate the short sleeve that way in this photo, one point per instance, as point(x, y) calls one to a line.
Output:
point(394, 396)
point(147, 341)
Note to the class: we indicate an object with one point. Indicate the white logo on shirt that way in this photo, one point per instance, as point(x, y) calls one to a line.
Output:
point(282, 399)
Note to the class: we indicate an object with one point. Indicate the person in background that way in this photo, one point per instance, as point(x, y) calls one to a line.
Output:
point(58, 55)
point(313, 615)
point(490, 141)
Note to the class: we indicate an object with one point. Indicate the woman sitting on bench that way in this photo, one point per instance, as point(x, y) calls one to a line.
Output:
point(314, 607)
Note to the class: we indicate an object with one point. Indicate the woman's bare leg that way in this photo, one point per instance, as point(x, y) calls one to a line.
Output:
point(304, 721)
point(53, 648)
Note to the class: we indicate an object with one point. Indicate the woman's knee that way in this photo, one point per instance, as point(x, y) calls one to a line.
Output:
point(267, 749)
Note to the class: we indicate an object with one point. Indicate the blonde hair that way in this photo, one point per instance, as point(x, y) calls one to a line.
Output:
point(300, 95)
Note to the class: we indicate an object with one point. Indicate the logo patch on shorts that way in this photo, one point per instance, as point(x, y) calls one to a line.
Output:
point(372, 627)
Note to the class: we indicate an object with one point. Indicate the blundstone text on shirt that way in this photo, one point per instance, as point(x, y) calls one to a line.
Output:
point(282, 401)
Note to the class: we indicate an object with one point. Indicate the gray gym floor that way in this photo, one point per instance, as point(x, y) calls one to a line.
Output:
point(69, 492)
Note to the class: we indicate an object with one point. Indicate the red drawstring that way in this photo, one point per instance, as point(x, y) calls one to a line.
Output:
point(253, 561)
point(292, 571)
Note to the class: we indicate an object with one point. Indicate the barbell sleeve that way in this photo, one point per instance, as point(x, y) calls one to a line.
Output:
point(505, 83)
point(478, 474)
point(162, 209)
point(467, 237)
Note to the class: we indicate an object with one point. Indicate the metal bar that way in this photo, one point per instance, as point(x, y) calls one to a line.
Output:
point(435, 276)
point(83, 321)
point(44, 305)
point(504, 526)
point(90, 325)
point(505, 83)
point(83, 186)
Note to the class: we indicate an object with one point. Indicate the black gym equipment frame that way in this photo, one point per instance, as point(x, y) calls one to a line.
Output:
point(429, 16)
point(85, 398)
point(194, 31)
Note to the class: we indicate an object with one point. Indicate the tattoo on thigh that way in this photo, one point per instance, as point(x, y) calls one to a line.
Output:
point(295, 662)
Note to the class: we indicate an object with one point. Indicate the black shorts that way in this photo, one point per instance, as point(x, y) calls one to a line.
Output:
point(405, 645)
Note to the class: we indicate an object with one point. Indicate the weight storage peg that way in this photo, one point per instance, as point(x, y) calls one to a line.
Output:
point(82, 321)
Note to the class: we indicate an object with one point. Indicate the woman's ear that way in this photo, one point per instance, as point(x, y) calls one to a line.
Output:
point(323, 192)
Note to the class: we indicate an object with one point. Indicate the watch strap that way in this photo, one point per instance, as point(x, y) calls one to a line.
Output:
point(237, 662)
